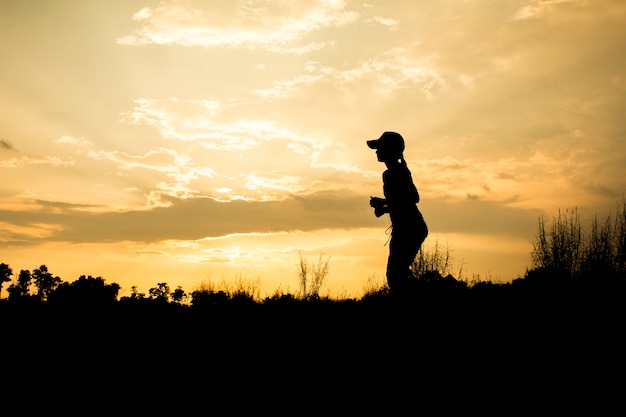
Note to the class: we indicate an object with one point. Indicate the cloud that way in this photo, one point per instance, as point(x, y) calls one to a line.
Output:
point(194, 121)
point(538, 8)
point(283, 88)
point(479, 217)
point(28, 161)
point(276, 26)
point(197, 120)
point(252, 159)
point(162, 160)
point(172, 172)
point(194, 223)
point(175, 118)
point(198, 218)
point(287, 183)
point(385, 21)
point(17, 234)
point(395, 69)
point(71, 140)
point(528, 183)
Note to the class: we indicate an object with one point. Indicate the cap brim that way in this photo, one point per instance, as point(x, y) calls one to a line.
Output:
point(373, 144)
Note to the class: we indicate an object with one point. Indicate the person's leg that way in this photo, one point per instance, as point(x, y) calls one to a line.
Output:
point(403, 249)
point(399, 263)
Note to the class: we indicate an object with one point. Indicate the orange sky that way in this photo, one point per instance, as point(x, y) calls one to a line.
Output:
point(188, 141)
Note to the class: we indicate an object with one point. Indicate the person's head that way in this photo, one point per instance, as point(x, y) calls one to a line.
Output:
point(389, 147)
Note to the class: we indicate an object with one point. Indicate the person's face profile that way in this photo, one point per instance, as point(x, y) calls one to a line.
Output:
point(384, 154)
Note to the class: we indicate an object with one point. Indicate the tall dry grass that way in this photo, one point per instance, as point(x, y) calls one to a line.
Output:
point(566, 250)
point(312, 276)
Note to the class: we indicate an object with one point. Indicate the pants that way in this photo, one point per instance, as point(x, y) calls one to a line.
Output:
point(403, 248)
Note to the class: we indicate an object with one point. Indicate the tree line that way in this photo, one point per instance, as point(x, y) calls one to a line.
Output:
point(41, 285)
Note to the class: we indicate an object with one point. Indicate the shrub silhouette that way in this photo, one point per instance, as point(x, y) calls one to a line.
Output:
point(558, 249)
point(239, 293)
point(565, 251)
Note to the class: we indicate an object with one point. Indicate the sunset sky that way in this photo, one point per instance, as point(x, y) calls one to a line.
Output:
point(193, 141)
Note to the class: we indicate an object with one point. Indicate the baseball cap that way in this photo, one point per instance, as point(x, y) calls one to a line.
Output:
point(392, 141)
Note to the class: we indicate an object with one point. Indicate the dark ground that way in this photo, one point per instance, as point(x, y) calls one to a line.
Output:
point(517, 347)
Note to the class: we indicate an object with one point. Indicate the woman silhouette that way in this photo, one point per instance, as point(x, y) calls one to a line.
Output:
point(409, 229)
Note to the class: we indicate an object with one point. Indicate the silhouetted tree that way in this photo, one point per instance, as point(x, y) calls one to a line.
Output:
point(161, 292)
point(86, 290)
point(135, 298)
point(135, 294)
point(179, 296)
point(5, 275)
point(22, 287)
point(44, 281)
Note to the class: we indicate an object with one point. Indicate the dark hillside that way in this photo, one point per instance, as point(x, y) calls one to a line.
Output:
point(518, 341)
point(487, 315)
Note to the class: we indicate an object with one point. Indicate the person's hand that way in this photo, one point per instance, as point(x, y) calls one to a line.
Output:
point(377, 202)
point(379, 211)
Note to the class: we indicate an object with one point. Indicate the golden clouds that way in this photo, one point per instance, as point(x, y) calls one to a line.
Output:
point(274, 26)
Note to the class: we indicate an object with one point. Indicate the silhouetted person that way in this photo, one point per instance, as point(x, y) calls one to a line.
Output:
point(408, 228)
